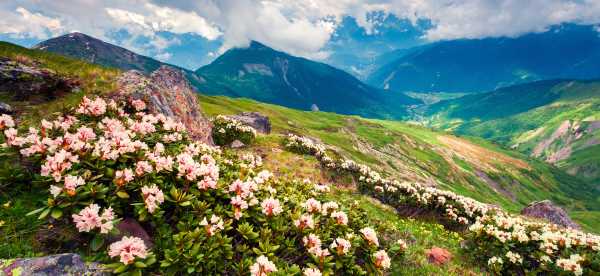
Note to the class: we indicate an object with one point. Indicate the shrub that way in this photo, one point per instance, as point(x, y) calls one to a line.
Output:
point(226, 130)
point(505, 242)
point(207, 211)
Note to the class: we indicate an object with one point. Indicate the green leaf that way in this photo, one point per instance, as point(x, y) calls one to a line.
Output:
point(35, 211)
point(140, 264)
point(120, 269)
point(44, 213)
point(56, 213)
point(122, 194)
point(97, 243)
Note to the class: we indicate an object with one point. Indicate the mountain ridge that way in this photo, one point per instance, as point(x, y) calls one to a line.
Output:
point(479, 65)
point(265, 75)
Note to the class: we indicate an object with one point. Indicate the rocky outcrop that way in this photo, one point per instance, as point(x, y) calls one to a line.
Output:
point(256, 120)
point(62, 264)
point(167, 91)
point(29, 82)
point(547, 210)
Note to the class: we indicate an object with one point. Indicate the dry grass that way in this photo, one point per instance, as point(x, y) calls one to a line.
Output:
point(479, 156)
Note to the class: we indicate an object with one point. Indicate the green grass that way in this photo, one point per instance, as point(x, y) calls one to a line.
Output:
point(420, 236)
point(415, 153)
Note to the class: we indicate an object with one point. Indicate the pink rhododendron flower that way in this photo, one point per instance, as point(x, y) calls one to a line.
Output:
point(55, 190)
point(142, 167)
point(370, 236)
point(262, 267)
point(72, 182)
point(123, 176)
point(341, 246)
point(238, 205)
point(153, 196)
point(305, 221)
point(312, 205)
point(139, 105)
point(94, 107)
point(56, 164)
point(128, 248)
point(89, 219)
point(6, 121)
point(328, 207)
point(340, 217)
point(311, 241)
point(271, 206)
point(382, 260)
point(312, 272)
point(216, 225)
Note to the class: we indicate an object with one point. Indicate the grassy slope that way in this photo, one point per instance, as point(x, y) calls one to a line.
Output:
point(417, 154)
point(531, 120)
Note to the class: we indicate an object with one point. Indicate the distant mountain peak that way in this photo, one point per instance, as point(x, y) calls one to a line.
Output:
point(258, 46)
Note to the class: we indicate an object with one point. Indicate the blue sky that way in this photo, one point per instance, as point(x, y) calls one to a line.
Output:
point(193, 33)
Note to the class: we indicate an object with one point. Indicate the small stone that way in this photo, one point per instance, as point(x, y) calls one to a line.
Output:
point(438, 256)
point(236, 144)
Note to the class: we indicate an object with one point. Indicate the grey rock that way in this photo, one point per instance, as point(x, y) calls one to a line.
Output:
point(61, 264)
point(256, 120)
point(29, 82)
point(236, 144)
point(545, 209)
point(314, 107)
point(5, 108)
point(167, 91)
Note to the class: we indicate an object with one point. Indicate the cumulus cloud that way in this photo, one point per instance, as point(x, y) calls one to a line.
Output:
point(24, 23)
point(298, 27)
point(493, 18)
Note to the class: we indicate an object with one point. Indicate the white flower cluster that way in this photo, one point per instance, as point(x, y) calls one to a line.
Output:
point(494, 230)
point(536, 243)
point(225, 124)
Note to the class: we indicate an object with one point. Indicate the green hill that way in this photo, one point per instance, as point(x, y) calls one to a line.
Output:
point(555, 120)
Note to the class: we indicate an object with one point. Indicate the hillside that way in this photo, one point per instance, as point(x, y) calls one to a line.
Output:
point(261, 73)
point(555, 120)
point(478, 65)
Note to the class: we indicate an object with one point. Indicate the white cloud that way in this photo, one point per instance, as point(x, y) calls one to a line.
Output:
point(485, 18)
point(156, 19)
point(24, 23)
point(164, 56)
point(298, 27)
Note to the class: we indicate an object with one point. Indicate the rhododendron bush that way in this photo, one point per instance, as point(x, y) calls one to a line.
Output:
point(206, 211)
point(226, 130)
point(505, 242)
